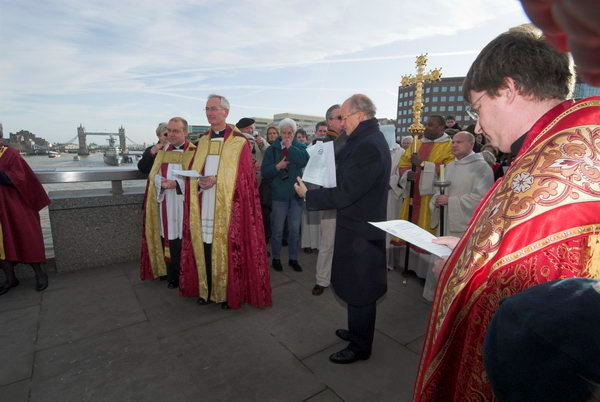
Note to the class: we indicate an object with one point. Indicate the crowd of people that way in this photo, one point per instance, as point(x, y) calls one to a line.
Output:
point(514, 304)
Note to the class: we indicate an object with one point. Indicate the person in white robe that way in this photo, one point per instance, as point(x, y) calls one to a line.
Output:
point(471, 178)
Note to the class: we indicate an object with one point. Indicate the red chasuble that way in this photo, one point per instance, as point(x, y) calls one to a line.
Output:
point(20, 203)
point(240, 269)
point(539, 223)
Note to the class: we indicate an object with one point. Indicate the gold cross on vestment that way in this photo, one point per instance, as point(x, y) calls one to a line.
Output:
point(416, 128)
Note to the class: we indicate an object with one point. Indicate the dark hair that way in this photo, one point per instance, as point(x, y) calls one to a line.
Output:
point(319, 124)
point(449, 117)
point(537, 69)
point(440, 119)
point(300, 131)
point(331, 109)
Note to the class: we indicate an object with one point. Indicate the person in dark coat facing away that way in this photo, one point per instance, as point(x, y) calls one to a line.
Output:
point(359, 264)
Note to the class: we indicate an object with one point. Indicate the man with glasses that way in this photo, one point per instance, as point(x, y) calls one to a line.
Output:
point(539, 222)
point(359, 268)
point(225, 260)
point(147, 160)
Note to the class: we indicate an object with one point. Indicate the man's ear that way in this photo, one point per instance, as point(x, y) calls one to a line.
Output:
point(510, 90)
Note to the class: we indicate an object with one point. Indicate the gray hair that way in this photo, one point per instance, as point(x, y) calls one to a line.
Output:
point(224, 102)
point(409, 139)
point(488, 157)
point(362, 103)
point(289, 123)
point(182, 121)
point(330, 110)
point(470, 137)
point(162, 127)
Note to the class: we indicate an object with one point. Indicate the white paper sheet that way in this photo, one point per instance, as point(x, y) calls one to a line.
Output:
point(415, 235)
point(187, 173)
point(320, 169)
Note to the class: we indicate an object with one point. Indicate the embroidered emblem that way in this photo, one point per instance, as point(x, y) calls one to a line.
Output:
point(522, 182)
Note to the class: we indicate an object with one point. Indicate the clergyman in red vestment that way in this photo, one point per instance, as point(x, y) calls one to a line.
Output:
point(21, 198)
point(224, 254)
point(540, 222)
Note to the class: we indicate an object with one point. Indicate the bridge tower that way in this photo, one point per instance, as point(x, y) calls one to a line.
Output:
point(83, 149)
point(122, 140)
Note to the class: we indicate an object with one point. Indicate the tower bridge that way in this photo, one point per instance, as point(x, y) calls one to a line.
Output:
point(123, 140)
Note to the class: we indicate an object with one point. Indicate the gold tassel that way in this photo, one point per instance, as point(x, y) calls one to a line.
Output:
point(593, 264)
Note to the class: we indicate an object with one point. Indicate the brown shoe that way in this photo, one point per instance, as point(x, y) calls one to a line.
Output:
point(318, 290)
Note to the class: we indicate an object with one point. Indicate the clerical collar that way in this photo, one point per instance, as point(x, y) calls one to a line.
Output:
point(218, 134)
point(177, 147)
point(516, 146)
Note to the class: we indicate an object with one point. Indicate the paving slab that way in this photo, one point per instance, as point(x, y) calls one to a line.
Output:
point(402, 317)
point(388, 375)
point(17, 343)
point(169, 312)
point(127, 364)
point(301, 322)
point(326, 395)
point(15, 392)
point(239, 359)
point(20, 297)
point(81, 308)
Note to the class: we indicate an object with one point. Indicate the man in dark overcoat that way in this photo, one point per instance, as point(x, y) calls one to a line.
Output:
point(359, 265)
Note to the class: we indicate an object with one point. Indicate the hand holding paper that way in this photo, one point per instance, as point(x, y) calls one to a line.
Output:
point(413, 234)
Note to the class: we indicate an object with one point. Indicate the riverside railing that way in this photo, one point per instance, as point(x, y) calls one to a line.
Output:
point(115, 175)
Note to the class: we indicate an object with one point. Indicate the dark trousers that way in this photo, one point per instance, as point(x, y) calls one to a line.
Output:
point(361, 324)
point(173, 266)
point(208, 266)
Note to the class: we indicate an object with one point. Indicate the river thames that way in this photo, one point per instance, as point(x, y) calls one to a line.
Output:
point(65, 162)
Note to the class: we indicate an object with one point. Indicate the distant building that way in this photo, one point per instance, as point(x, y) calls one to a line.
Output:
point(304, 121)
point(26, 141)
point(195, 131)
point(441, 97)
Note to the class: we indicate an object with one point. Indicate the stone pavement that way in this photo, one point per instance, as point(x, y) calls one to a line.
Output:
point(104, 335)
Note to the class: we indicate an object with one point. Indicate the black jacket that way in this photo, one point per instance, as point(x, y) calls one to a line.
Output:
point(359, 274)
point(145, 164)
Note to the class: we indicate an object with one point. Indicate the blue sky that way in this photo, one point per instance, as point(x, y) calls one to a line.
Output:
point(110, 63)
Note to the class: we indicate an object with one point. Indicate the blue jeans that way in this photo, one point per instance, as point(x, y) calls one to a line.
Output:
point(291, 209)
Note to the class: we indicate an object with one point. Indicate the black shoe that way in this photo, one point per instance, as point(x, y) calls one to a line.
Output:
point(173, 285)
point(307, 250)
point(41, 281)
point(162, 278)
point(7, 286)
point(343, 334)
point(203, 302)
point(346, 356)
point(295, 266)
point(277, 265)
point(315, 250)
point(318, 290)
point(225, 306)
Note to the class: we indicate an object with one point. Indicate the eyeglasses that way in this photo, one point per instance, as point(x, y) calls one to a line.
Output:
point(348, 115)
point(212, 109)
point(474, 114)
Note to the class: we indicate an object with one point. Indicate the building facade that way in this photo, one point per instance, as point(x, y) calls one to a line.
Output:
point(441, 97)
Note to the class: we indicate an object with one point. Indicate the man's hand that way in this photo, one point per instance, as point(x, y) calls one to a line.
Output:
point(259, 140)
point(410, 175)
point(154, 150)
point(441, 200)
point(167, 184)
point(300, 187)
point(449, 241)
point(283, 164)
point(207, 182)
point(416, 160)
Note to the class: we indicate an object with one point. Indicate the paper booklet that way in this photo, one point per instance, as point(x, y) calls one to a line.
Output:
point(415, 235)
point(188, 173)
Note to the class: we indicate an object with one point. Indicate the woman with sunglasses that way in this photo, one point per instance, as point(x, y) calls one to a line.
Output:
point(145, 164)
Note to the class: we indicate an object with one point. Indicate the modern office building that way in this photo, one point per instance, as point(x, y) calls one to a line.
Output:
point(441, 97)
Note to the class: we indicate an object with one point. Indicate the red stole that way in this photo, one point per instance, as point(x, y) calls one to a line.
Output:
point(535, 225)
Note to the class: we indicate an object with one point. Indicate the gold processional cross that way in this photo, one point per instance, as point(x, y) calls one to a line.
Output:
point(416, 128)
